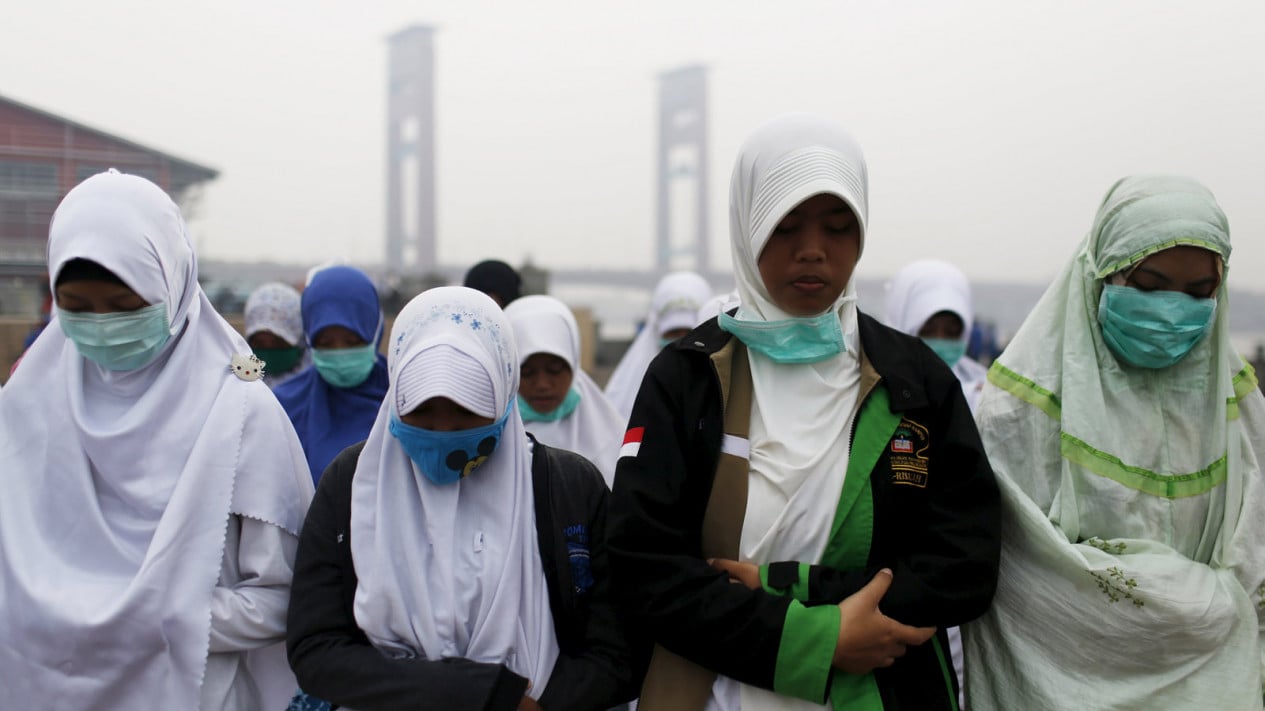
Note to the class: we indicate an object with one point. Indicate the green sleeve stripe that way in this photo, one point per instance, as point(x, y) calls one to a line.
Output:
point(1245, 380)
point(806, 652)
point(1243, 383)
point(1025, 390)
point(1169, 486)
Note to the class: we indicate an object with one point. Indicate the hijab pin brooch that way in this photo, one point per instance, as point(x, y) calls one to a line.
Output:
point(247, 367)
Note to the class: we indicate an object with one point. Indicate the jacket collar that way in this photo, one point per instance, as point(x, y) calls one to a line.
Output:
point(895, 356)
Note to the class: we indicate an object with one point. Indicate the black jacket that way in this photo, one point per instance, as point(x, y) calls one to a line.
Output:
point(936, 526)
point(334, 660)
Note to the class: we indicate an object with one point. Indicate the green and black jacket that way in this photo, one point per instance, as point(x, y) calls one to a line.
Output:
point(919, 498)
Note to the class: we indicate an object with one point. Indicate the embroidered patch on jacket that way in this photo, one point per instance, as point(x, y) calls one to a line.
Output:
point(578, 556)
point(909, 447)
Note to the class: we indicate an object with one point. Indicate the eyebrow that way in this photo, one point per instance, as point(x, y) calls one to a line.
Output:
point(1152, 272)
point(1205, 280)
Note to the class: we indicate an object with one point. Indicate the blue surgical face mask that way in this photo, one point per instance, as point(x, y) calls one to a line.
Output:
point(568, 405)
point(1153, 329)
point(125, 340)
point(790, 340)
point(448, 457)
point(950, 350)
point(345, 367)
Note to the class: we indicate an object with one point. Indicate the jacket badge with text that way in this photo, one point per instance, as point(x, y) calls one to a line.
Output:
point(909, 447)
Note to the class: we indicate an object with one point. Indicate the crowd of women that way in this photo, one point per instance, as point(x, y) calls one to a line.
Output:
point(777, 502)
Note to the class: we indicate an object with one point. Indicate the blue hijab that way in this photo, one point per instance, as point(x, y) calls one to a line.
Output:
point(330, 419)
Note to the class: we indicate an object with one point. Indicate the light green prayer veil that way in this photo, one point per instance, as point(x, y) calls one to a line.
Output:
point(1134, 519)
point(1155, 439)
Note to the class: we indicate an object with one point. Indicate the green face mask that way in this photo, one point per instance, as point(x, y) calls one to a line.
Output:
point(345, 367)
point(279, 360)
point(950, 350)
point(1153, 329)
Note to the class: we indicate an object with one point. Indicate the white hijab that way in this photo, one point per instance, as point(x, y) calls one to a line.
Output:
point(452, 571)
point(675, 304)
point(118, 486)
point(925, 288)
point(801, 413)
point(595, 429)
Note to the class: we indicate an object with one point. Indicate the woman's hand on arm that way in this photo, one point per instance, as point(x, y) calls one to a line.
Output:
point(739, 572)
point(868, 639)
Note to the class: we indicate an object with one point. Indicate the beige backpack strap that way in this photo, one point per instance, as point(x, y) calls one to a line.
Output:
point(727, 504)
point(674, 683)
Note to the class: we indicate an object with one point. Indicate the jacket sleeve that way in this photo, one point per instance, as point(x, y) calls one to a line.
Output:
point(605, 669)
point(334, 660)
point(944, 571)
point(657, 508)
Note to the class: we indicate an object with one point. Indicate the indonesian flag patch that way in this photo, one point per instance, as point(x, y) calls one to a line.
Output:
point(632, 442)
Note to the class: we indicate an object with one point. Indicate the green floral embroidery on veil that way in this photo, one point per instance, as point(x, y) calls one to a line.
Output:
point(1116, 586)
point(1100, 544)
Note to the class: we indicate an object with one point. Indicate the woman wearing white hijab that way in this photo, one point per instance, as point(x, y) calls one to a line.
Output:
point(153, 492)
point(845, 472)
point(931, 299)
point(446, 563)
point(674, 310)
point(1128, 436)
point(560, 404)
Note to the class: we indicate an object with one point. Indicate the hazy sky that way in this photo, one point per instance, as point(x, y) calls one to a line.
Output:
point(992, 129)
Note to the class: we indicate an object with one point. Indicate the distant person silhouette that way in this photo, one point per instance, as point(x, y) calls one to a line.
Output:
point(496, 279)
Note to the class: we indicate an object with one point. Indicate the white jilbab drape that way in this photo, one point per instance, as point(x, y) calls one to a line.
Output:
point(124, 489)
point(595, 429)
point(452, 570)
